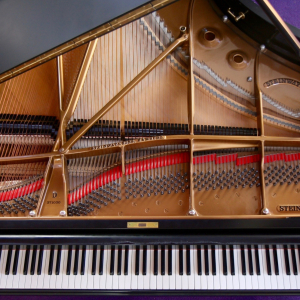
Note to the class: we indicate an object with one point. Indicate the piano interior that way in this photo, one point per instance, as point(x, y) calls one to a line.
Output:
point(177, 114)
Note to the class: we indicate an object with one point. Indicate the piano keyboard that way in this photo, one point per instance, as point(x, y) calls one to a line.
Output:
point(166, 267)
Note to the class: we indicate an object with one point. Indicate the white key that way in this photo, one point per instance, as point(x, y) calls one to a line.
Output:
point(248, 277)
point(184, 277)
point(109, 281)
point(261, 278)
point(152, 276)
point(223, 278)
point(2, 266)
point(114, 278)
point(88, 274)
point(128, 277)
point(197, 280)
point(63, 268)
point(96, 278)
point(16, 278)
point(146, 281)
point(210, 277)
point(217, 284)
point(193, 267)
point(28, 276)
point(10, 277)
point(105, 262)
point(242, 279)
point(165, 278)
point(134, 277)
point(173, 276)
point(229, 277)
point(255, 278)
point(280, 281)
point(236, 277)
point(21, 267)
point(78, 276)
point(53, 276)
point(298, 264)
point(58, 278)
point(122, 276)
point(34, 277)
point(140, 282)
point(264, 271)
point(285, 277)
point(72, 277)
point(83, 282)
point(273, 276)
point(177, 276)
point(40, 278)
point(159, 280)
point(203, 277)
point(293, 281)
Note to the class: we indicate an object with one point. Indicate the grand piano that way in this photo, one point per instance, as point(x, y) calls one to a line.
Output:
point(157, 152)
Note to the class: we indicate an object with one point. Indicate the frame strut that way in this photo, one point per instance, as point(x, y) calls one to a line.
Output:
point(123, 92)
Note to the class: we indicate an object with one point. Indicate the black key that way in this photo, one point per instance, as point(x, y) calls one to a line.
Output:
point(199, 260)
point(275, 260)
point(163, 260)
point(112, 260)
point(58, 259)
point(94, 259)
point(170, 260)
point(40, 262)
point(33, 260)
point(213, 260)
point(155, 260)
point(119, 259)
point(180, 260)
point(83, 256)
point(243, 260)
point(137, 260)
point(294, 260)
point(16, 260)
point(257, 260)
point(287, 262)
point(225, 272)
point(206, 260)
point(101, 262)
point(26, 261)
point(0, 251)
point(188, 260)
point(268, 260)
point(145, 260)
point(50, 268)
point(126, 260)
point(76, 259)
point(232, 269)
point(68, 272)
point(8, 259)
point(250, 260)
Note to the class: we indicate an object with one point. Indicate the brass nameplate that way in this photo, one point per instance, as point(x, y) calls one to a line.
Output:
point(142, 224)
point(288, 208)
point(277, 81)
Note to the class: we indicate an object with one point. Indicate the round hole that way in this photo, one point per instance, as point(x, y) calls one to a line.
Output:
point(237, 58)
point(209, 36)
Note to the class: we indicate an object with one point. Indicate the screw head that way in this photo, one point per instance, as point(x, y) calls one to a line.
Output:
point(192, 212)
point(182, 28)
point(61, 150)
point(225, 18)
point(262, 47)
point(266, 211)
point(249, 79)
point(62, 213)
point(32, 213)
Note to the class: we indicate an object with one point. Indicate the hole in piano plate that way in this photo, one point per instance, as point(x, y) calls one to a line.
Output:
point(238, 58)
point(210, 36)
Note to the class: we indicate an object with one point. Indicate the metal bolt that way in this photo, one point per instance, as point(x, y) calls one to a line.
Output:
point(62, 213)
point(266, 211)
point(32, 213)
point(182, 28)
point(225, 18)
point(262, 47)
point(61, 150)
point(192, 212)
point(249, 79)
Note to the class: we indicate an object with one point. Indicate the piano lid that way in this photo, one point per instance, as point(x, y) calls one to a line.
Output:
point(31, 28)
